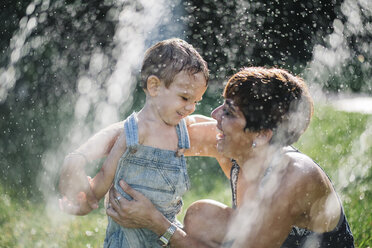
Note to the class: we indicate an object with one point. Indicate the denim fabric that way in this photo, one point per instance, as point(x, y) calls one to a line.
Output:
point(159, 174)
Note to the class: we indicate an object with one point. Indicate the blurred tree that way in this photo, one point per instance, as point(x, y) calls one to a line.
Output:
point(238, 33)
point(38, 109)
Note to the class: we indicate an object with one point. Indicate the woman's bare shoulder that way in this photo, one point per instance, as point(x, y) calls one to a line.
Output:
point(303, 167)
point(306, 182)
point(313, 193)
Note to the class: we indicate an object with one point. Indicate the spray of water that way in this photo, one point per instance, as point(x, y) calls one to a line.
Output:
point(103, 87)
point(342, 53)
point(8, 75)
point(138, 22)
point(338, 60)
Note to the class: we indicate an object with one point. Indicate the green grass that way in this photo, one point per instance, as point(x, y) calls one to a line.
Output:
point(342, 145)
point(26, 224)
point(340, 142)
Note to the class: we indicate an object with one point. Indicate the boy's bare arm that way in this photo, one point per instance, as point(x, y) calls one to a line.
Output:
point(193, 119)
point(102, 182)
point(202, 133)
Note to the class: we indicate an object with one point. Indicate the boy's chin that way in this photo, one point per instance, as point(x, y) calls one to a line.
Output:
point(172, 122)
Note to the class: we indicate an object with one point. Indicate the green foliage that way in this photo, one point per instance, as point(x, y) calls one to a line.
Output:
point(271, 33)
point(337, 140)
point(39, 109)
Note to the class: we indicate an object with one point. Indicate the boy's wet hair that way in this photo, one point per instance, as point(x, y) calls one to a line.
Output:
point(271, 99)
point(169, 57)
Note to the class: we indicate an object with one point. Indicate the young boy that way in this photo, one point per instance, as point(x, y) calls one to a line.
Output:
point(148, 155)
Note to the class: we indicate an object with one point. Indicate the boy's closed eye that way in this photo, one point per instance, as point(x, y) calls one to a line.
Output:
point(185, 98)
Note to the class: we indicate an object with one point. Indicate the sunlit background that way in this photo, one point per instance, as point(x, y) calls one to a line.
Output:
point(69, 68)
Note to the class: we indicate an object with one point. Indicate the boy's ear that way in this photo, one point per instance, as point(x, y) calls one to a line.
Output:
point(153, 84)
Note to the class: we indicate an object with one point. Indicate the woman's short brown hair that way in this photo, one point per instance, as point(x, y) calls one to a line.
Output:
point(167, 58)
point(271, 99)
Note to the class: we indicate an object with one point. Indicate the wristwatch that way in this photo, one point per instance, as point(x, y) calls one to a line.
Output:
point(164, 239)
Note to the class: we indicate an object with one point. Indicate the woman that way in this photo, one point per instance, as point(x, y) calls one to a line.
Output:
point(281, 198)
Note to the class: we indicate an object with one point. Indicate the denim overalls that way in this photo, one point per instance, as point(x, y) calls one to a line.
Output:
point(160, 175)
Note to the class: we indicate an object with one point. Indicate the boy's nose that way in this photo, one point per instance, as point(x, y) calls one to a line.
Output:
point(190, 107)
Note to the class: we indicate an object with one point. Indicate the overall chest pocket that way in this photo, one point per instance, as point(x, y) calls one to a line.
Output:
point(157, 181)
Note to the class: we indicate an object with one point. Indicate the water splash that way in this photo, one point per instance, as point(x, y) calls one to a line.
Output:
point(93, 76)
point(345, 62)
point(103, 91)
point(9, 75)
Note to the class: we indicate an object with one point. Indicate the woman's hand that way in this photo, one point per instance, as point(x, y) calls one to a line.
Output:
point(137, 213)
point(141, 213)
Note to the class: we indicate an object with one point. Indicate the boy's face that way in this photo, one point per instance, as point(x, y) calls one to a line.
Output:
point(179, 99)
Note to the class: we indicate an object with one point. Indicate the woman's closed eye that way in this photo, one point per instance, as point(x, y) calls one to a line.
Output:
point(226, 112)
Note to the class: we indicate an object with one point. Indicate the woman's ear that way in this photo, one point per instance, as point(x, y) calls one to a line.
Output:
point(263, 137)
point(153, 84)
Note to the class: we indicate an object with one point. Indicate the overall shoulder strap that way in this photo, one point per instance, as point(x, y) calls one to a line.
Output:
point(183, 135)
point(131, 130)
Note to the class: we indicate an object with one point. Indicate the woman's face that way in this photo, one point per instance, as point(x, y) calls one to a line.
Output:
point(232, 140)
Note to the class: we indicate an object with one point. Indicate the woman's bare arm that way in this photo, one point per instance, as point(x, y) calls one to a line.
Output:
point(74, 184)
point(100, 144)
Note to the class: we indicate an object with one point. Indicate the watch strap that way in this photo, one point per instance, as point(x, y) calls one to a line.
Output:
point(164, 239)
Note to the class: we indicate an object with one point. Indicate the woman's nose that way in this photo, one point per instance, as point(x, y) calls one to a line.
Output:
point(216, 113)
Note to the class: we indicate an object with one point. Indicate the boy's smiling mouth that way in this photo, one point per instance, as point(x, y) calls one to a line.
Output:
point(180, 114)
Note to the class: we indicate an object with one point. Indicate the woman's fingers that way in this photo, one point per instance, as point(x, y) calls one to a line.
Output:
point(119, 209)
point(117, 201)
point(127, 189)
point(113, 214)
